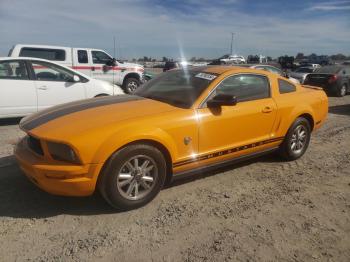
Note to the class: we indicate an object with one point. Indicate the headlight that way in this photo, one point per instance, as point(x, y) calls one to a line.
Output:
point(62, 152)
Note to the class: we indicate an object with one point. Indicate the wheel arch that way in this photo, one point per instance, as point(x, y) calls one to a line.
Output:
point(309, 118)
point(131, 75)
point(101, 94)
point(152, 142)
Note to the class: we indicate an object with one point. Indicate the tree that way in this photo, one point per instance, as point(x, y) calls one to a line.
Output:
point(193, 59)
point(299, 56)
point(338, 57)
point(165, 59)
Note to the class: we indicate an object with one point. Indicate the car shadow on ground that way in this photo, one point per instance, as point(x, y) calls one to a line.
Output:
point(22, 199)
point(10, 121)
point(340, 110)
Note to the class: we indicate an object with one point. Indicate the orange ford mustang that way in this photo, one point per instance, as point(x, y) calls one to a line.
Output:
point(181, 122)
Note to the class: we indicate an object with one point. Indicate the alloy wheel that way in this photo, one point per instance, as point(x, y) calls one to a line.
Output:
point(299, 139)
point(137, 177)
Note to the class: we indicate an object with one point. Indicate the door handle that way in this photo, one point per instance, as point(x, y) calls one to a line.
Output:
point(92, 68)
point(42, 88)
point(267, 109)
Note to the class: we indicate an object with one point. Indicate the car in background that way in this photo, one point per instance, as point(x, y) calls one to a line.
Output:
point(182, 122)
point(92, 62)
point(170, 65)
point(301, 72)
point(334, 79)
point(317, 59)
point(307, 64)
point(31, 84)
point(232, 59)
point(275, 70)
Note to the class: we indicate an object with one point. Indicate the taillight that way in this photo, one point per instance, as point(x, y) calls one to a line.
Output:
point(332, 79)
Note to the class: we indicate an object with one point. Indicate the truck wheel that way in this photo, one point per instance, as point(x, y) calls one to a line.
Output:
point(342, 91)
point(130, 85)
point(133, 176)
point(297, 140)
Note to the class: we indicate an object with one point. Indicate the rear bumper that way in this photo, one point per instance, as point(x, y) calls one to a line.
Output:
point(55, 177)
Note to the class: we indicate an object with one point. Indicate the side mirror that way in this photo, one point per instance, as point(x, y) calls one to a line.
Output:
point(222, 100)
point(111, 62)
point(76, 78)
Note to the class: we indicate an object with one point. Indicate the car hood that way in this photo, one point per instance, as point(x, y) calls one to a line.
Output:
point(76, 118)
point(124, 64)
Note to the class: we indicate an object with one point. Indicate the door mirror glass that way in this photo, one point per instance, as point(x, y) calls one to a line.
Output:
point(222, 100)
point(76, 78)
point(112, 62)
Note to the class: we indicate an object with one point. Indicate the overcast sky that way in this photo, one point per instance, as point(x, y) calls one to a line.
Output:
point(172, 28)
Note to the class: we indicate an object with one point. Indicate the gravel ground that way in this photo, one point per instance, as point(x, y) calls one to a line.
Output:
point(261, 210)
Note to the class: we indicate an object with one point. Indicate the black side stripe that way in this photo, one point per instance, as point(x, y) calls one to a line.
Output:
point(52, 113)
point(227, 151)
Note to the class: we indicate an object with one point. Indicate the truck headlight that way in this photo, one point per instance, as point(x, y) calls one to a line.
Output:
point(62, 152)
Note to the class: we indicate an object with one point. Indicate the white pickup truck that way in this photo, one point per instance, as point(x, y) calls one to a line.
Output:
point(95, 63)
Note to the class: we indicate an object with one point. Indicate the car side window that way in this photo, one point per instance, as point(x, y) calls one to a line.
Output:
point(50, 72)
point(245, 87)
point(48, 54)
point(285, 87)
point(15, 70)
point(82, 57)
point(99, 57)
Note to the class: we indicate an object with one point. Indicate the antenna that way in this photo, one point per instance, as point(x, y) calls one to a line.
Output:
point(114, 55)
point(114, 47)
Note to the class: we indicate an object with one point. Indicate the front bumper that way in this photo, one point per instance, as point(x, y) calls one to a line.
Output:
point(56, 177)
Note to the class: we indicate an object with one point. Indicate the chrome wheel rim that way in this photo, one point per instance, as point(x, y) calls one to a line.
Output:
point(343, 90)
point(132, 86)
point(299, 138)
point(137, 177)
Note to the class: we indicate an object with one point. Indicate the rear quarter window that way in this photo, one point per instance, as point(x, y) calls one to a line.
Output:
point(285, 87)
point(48, 54)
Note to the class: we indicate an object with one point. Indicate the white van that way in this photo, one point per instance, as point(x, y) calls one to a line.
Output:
point(95, 63)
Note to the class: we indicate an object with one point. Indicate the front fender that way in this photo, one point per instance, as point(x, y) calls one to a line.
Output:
point(125, 136)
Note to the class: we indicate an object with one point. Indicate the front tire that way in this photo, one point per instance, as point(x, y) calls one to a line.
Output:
point(133, 176)
point(130, 85)
point(297, 140)
point(342, 91)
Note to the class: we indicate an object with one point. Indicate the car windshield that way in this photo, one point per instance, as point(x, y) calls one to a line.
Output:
point(304, 70)
point(180, 88)
point(328, 70)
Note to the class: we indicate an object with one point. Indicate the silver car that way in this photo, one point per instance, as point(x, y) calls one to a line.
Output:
point(301, 73)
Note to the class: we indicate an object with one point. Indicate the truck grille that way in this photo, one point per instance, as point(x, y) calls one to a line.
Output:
point(35, 145)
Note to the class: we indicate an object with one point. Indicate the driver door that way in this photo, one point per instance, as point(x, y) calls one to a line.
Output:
point(55, 85)
point(100, 69)
point(238, 129)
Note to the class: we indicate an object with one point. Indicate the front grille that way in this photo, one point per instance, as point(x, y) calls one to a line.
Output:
point(35, 145)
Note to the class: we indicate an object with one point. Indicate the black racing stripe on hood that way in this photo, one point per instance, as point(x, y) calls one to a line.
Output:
point(55, 112)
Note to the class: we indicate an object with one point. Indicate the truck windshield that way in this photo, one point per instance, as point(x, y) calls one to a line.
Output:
point(180, 88)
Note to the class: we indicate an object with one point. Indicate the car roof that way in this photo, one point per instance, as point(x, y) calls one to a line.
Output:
point(219, 69)
point(43, 60)
point(26, 58)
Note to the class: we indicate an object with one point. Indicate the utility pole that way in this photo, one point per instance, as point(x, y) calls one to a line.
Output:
point(231, 42)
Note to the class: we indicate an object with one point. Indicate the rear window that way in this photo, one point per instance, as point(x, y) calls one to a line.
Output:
point(49, 54)
point(285, 87)
point(328, 70)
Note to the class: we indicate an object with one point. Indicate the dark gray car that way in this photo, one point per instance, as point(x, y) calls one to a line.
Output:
point(333, 79)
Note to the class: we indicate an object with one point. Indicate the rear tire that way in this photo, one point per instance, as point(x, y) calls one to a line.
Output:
point(133, 176)
point(297, 140)
point(130, 85)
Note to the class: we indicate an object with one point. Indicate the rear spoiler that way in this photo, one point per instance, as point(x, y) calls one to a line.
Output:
point(312, 87)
